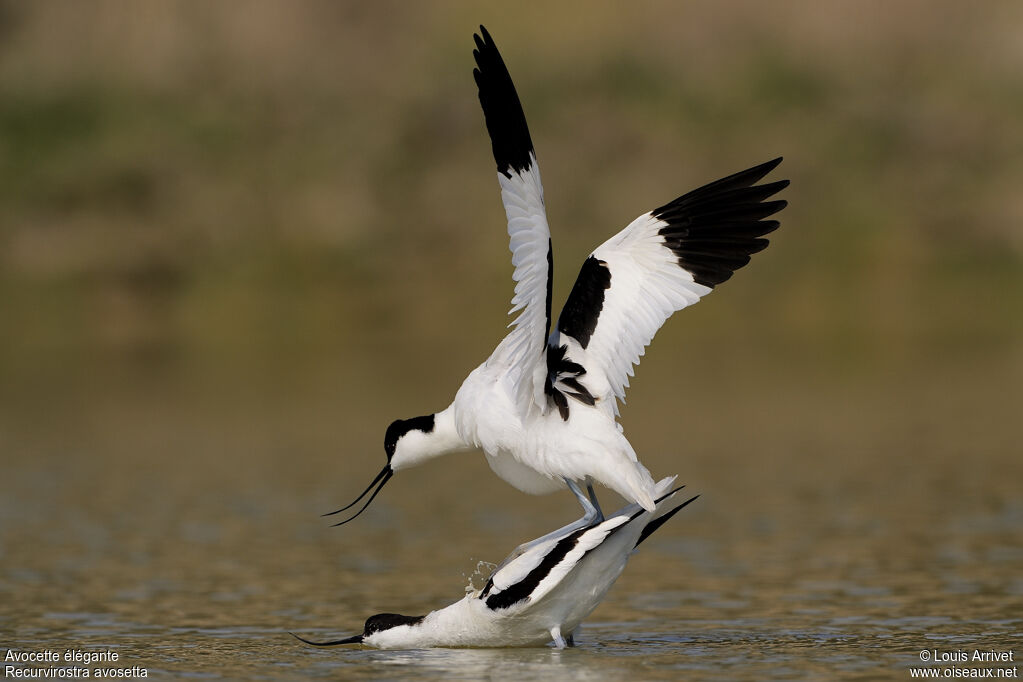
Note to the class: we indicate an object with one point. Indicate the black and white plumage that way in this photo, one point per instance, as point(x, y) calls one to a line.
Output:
point(544, 406)
point(537, 595)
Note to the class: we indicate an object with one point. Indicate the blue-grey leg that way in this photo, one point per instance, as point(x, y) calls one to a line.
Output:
point(593, 497)
point(570, 638)
point(559, 641)
point(591, 511)
point(591, 517)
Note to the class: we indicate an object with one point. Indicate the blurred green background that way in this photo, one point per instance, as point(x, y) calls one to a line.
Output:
point(236, 241)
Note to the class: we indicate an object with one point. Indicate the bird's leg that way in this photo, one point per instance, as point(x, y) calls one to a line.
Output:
point(591, 516)
point(559, 641)
point(591, 511)
point(593, 498)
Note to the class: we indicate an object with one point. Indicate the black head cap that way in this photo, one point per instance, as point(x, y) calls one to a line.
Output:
point(386, 621)
point(400, 427)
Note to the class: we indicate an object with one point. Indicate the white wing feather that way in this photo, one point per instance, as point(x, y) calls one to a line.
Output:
point(523, 349)
point(663, 261)
point(647, 286)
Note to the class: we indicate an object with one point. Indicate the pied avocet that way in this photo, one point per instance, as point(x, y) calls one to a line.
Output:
point(535, 596)
point(543, 407)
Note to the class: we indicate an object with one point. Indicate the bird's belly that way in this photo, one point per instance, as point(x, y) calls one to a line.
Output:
point(523, 477)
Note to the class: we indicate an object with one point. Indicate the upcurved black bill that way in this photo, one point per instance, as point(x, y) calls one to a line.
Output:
point(357, 639)
point(382, 478)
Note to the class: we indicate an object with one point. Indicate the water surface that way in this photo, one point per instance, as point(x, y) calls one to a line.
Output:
point(191, 546)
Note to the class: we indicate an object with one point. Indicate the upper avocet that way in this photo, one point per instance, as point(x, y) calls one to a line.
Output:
point(543, 407)
point(535, 596)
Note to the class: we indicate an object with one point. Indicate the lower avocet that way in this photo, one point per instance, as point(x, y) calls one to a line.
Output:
point(539, 594)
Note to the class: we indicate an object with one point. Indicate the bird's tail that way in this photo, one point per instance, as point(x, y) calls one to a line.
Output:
point(637, 485)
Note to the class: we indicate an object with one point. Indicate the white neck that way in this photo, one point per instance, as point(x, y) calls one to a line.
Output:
point(416, 447)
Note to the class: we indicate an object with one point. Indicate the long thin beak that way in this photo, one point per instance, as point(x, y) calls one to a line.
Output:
point(357, 639)
point(382, 478)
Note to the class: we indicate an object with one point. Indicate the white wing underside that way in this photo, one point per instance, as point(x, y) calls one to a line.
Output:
point(647, 286)
point(663, 261)
point(522, 351)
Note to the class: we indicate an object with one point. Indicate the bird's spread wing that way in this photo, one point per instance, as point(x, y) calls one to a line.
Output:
point(522, 194)
point(663, 261)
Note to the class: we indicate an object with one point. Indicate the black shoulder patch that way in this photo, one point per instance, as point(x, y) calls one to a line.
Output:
point(582, 309)
point(562, 372)
point(522, 589)
point(386, 621)
point(400, 427)
point(509, 135)
point(715, 229)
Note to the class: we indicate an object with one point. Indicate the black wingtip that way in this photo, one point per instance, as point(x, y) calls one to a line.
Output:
point(760, 170)
point(661, 520)
point(502, 111)
point(669, 494)
point(660, 499)
point(772, 164)
point(713, 230)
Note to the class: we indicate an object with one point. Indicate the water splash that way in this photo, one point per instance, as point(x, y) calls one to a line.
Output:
point(482, 572)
